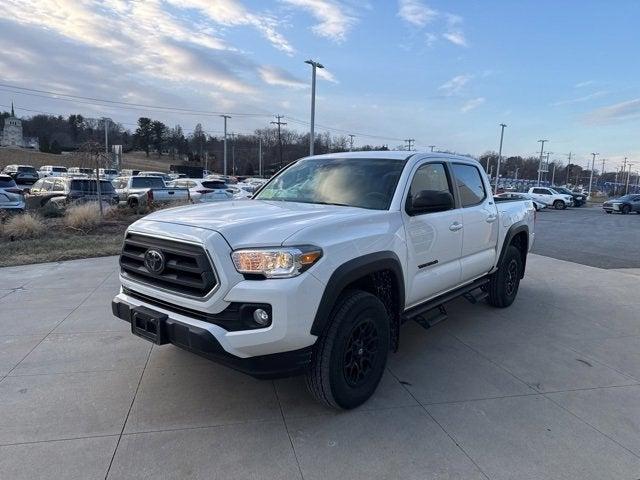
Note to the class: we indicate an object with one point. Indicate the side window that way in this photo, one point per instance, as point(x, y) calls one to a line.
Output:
point(431, 176)
point(539, 191)
point(470, 184)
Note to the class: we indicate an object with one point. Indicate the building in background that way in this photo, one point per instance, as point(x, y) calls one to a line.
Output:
point(11, 134)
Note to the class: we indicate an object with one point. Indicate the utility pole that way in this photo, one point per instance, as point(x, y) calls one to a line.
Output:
point(260, 157)
point(431, 147)
point(540, 163)
point(568, 169)
point(495, 190)
point(224, 162)
point(553, 175)
point(312, 138)
point(409, 141)
point(626, 190)
point(516, 175)
point(106, 136)
point(351, 135)
point(279, 123)
point(593, 161)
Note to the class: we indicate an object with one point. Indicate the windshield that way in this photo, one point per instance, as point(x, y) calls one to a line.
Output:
point(58, 169)
point(147, 182)
point(561, 190)
point(354, 182)
point(7, 182)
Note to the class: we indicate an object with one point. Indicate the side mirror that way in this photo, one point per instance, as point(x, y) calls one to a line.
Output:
point(429, 201)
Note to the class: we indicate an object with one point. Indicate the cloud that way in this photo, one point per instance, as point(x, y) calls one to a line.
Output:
point(584, 98)
point(335, 20)
point(278, 76)
point(325, 74)
point(472, 104)
point(416, 12)
point(455, 85)
point(584, 84)
point(629, 109)
point(430, 38)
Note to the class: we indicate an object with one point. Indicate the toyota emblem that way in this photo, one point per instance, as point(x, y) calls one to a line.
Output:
point(154, 261)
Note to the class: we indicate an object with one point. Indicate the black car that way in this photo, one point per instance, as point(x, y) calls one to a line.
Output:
point(579, 199)
point(62, 191)
point(625, 204)
point(22, 173)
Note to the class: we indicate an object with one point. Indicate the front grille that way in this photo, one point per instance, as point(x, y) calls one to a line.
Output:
point(187, 269)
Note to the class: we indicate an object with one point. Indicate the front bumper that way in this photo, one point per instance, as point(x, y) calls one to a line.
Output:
point(202, 342)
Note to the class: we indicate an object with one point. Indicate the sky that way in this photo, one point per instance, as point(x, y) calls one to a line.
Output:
point(444, 73)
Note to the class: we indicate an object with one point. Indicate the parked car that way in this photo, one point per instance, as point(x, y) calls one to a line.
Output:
point(127, 172)
point(141, 190)
point(521, 196)
point(108, 174)
point(11, 196)
point(240, 193)
point(73, 171)
point(201, 190)
point(550, 197)
point(317, 273)
point(165, 176)
point(625, 204)
point(65, 190)
point(52, 171)
point(578, 198)
point(23, 174)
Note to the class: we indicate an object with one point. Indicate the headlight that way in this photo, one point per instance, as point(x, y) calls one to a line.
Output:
point(278, 262)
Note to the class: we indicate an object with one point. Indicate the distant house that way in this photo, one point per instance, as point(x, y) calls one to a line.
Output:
point(11, 135)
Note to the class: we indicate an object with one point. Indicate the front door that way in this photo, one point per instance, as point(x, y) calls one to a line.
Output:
point(434, 240)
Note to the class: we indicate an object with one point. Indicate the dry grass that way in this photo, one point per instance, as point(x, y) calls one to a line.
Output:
point(84, 217)
point(25, 226)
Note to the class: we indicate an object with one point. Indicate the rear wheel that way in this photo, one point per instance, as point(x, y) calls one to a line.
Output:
point(133, 203)
point(559, 205)
point(350, 356)
point(503, 284)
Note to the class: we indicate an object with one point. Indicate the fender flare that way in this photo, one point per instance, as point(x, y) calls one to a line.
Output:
point(351, 271)
point(512, 232)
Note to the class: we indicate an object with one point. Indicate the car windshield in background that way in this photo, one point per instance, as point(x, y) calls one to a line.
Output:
point(213, 184)
point(27, 169)
point(147, 182)
point(7, 182)
point(58, 169)
point(354, 182)
point(90, 186)
point(111, 172)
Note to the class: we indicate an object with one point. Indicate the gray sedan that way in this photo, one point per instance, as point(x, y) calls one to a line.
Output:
point(11, 197)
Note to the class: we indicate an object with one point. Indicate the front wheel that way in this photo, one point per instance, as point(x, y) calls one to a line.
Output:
point(626, 209)
point(503, 284)
point(350, 356)
point(559, 205)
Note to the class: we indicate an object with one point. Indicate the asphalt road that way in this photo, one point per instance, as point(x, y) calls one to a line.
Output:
point(589, 236)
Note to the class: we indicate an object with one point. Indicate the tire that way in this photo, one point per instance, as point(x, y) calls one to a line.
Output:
point(341, 376)
point(609, 211)
point(625, 209)
point(133, 203)
point(559, 205)
point(503, 284)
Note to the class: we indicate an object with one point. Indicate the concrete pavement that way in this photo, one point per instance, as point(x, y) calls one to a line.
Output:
point(549, 388)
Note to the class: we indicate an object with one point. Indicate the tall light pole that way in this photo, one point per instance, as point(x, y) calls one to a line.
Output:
point(224, 162)
point(260, 157)
point(568, 169)
point(495, 190)
point(312, 137)
point(593, 162)
point(626, 190)
point(540, 163)
point(106, 135)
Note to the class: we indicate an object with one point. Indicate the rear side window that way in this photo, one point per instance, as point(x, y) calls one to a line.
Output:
point(147, 182)
point(470, 184)
point(7, 182)
point(89, 186)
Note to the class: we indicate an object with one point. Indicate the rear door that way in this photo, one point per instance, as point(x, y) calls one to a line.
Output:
point(434, 240)
point(479, 219)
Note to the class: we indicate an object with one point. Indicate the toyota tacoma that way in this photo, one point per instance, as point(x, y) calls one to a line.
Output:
point(317, 272)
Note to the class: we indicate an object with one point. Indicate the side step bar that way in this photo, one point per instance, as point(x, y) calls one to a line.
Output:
point(423, 308)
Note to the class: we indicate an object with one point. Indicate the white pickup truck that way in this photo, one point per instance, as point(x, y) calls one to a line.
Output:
point(317, 272)
point(138, 191)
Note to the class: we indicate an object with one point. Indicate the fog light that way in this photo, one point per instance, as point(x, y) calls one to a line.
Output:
point(261, 317)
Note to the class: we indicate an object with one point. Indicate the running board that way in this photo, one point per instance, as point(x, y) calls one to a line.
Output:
point(434, 303)
point(476, 297)
point(426, 322)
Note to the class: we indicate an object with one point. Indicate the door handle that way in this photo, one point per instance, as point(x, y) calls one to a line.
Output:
point(455, 226)
point(492, 218)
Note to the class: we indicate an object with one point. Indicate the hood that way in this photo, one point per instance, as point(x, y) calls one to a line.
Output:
point(254, 223)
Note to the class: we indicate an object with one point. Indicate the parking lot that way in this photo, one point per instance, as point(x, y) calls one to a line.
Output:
point(548, 388)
